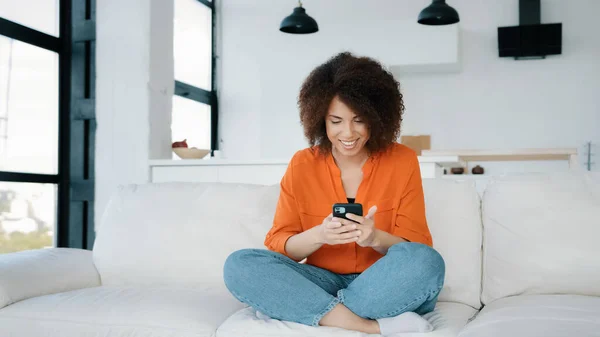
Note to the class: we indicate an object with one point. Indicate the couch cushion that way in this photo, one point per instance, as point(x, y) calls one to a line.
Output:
point(538, 315)
point(38, 272)
point(454, 219)
point(541, 236)
point(120, 311)
point(447, 318)
point(180, 233)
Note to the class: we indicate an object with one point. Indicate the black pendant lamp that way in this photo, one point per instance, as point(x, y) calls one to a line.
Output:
point(299, 22)
point(438, 13)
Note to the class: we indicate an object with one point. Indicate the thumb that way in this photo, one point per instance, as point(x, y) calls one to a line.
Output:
point(371, 212)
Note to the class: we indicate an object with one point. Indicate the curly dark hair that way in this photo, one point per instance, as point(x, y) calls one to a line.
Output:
point(364, 86)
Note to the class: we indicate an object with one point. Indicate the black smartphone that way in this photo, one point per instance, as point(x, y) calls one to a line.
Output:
point(340, 210)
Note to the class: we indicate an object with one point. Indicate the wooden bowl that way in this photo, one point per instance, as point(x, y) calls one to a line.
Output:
point(190, 153)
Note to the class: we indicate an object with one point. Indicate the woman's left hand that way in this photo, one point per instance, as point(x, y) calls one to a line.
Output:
point(366, 226)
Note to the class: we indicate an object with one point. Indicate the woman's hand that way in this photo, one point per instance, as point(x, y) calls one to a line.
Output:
point(366, 226)
point(335, 231)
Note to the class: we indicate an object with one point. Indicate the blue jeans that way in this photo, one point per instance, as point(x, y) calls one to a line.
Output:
point(408, 278)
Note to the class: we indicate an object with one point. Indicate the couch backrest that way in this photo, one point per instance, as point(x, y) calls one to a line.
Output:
point(180, 233)
point(541, 235)
point(454, 219)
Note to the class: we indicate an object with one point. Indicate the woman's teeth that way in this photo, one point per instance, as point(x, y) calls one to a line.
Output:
point(348, 144)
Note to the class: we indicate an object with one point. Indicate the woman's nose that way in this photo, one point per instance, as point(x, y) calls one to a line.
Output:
point(348, 129)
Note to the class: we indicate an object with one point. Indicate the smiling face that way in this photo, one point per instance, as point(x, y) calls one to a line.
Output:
point(346, 131)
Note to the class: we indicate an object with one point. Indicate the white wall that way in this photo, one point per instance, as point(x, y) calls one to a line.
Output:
point(134, 87)
point(491, 103)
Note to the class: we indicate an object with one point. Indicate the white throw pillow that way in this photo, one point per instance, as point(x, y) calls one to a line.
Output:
point(454, 219)
point(541, 236)
point(180, 233)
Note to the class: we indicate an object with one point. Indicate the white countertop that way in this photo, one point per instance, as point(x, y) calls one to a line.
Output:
point(215, 162)
point(446, 161)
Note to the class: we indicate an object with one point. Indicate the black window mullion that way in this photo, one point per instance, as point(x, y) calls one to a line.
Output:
point(214, 126)
point(91, 131)
point(194, 93)
point(64, 129)
point(208, 4)
point(214, 117)
point(25, 34)
point(21, 177)
point(82, 120)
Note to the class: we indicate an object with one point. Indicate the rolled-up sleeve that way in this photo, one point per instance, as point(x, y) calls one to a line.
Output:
point(411, 222)
point(286, 221)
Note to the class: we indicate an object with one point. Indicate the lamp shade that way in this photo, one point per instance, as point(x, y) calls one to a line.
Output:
point(438, 13)
point(299, 23)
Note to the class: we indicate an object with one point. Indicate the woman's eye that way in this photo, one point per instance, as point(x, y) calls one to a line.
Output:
point(335, 122)
point(358, 120)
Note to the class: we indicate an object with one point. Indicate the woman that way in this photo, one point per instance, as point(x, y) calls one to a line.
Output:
point(373, 274)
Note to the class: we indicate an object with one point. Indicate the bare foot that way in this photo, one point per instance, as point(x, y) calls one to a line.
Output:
point(342, 317)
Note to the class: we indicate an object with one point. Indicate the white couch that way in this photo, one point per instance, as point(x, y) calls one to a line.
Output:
point(156, 267)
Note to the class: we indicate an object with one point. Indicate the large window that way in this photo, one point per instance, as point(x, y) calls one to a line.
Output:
point(46, 123)
point(28, 127)
point(195, 108)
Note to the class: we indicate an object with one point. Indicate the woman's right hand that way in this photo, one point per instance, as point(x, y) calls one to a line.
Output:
point(333, 232)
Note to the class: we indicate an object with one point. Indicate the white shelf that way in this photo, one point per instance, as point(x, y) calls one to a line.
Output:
point(506, 154)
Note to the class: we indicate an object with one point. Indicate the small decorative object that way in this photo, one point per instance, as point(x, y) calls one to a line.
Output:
point(477, 170)
point(182, 143)
point(299, 22)
point(417, 143)
point(438, 13)
point(457, 170)
point(182, 151)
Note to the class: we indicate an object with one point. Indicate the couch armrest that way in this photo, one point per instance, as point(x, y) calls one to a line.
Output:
point(45, 271)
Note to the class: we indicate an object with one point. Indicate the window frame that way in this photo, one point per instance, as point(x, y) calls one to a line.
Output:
point(200, 95)
point(74, 180)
